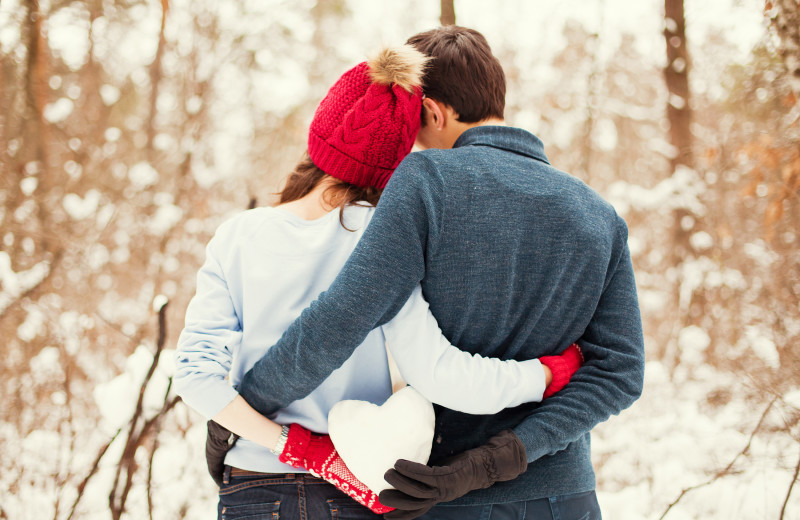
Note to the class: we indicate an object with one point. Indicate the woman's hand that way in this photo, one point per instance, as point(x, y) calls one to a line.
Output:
point(561, 368)
point(218, 441)
point(316, 453)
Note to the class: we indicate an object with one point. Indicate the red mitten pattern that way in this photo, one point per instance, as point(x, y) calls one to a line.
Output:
point(317, 454)
point(562, 368)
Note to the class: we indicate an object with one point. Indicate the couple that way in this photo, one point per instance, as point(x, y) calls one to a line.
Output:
point(476, 243)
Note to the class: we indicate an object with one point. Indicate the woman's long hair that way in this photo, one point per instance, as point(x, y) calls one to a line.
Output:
point(307, 176)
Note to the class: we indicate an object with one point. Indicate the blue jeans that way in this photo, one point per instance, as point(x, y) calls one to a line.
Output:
point(285, 496)
point(578, 506)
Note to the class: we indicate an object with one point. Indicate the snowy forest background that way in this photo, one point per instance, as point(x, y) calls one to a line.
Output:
point(130, 129)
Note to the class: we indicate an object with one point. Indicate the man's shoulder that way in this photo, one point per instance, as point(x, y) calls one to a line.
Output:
point(585, 204)
point(421, 161)
point(419, 171)
point(579, 189)
point(436, 159)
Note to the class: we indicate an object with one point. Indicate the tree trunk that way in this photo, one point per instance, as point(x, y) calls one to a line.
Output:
point(37, 130)
point(448, 16)
point(36, 87)
point(676, 74)
point(155, 80)
point(679, 115)
point(785, 20)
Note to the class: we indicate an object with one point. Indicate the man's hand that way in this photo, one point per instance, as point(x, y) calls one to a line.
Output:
point(419, 487)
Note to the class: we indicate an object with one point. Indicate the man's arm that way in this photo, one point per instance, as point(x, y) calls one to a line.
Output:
point(469, 383)
point(372, 287)
point(611, 378)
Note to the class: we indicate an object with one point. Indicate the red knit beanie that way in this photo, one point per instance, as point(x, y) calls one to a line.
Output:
point(368, 121)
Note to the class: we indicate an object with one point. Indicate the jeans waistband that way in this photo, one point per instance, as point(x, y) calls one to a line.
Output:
point(232, 472)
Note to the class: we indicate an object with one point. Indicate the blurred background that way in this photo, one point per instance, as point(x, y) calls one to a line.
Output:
point(129, 130)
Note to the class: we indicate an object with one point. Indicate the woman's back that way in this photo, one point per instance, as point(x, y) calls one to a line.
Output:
point(268, 264)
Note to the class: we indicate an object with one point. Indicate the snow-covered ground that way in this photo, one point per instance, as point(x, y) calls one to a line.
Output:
point(685, 429)
point(675, 437)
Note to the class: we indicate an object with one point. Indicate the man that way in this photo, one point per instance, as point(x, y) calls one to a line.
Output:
point(517, 260)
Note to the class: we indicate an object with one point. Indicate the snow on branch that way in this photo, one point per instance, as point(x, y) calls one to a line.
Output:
point(16, 285)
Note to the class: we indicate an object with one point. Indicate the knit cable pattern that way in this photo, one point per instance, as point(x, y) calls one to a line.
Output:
point(362, 130)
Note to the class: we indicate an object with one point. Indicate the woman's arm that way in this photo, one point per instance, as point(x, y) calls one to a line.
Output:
point(211, 332)
point(450, 377)
point(240, 418)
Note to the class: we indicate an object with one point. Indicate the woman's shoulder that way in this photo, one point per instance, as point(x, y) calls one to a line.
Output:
point(358, 214)
point(246, 220)
point(242, 227)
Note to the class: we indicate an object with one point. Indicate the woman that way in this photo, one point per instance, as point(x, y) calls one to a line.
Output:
point(266, 265)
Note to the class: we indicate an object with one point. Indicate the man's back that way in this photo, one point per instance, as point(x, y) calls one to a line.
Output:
point(515, 270)
point(523, 251)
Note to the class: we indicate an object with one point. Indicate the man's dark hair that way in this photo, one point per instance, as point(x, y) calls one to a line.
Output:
point(463, 73)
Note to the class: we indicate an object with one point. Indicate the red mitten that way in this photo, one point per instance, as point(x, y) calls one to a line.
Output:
point(562, 368)
point(316, 453)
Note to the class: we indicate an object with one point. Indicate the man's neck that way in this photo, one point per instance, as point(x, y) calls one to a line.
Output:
point(463, 127)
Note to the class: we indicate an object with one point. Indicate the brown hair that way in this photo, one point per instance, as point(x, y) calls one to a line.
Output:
point(463, 73)
point(307, 176)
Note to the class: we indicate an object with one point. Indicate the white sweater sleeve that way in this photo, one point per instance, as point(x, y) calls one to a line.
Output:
point(205, 347)
point(453, 378)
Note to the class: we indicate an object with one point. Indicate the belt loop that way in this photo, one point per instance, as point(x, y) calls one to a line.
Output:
point(226, 475)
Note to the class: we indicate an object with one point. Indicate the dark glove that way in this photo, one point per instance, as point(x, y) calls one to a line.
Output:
point(218, 441)
point(419, 487)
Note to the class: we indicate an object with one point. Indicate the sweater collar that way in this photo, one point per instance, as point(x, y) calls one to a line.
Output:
point(515, 140)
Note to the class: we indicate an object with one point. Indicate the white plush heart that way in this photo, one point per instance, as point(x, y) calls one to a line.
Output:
point(371, 438)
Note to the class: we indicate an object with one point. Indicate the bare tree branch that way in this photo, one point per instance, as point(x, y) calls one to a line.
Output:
point(728, 470)
point(153, 448)
point(95, 466)
point(791, 486)
point(127, 461)
point(156, 422)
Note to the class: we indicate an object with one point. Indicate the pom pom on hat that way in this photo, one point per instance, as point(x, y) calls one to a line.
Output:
point(368, 121)
point(402, 66)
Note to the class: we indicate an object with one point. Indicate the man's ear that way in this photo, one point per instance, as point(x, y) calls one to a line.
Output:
point(435, 113)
